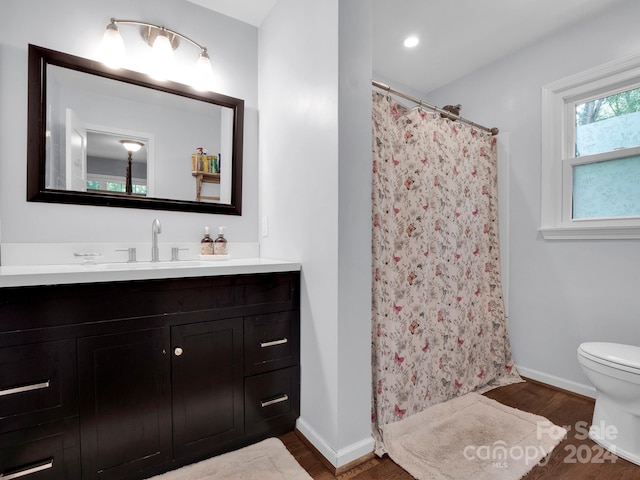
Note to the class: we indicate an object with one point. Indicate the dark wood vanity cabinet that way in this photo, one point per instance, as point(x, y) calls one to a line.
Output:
point(126, 380)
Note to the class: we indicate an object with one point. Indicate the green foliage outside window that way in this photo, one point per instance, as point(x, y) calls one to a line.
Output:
point(616, 105)
point(115, 187)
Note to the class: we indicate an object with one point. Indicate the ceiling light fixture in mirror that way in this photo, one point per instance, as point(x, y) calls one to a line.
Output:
point(163, 42)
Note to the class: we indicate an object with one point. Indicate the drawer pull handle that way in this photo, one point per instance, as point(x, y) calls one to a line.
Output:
point(281, 399)
point(26, 388)
point(28, 471)
point(273, 343)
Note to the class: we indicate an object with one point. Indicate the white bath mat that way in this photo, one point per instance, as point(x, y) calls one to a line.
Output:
point(267, 460)
point(471, 437)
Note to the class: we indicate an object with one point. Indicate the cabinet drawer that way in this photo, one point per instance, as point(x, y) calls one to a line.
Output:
point(272, 401)
point(48, 452)
point(271, 342)
point(38, 383)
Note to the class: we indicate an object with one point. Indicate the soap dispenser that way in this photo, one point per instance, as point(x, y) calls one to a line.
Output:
point(206, 244)
point(220, 243)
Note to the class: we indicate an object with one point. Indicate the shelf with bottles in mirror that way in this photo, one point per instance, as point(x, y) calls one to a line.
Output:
point(206, 169)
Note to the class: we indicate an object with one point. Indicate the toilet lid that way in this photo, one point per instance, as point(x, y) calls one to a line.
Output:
point(620, 354)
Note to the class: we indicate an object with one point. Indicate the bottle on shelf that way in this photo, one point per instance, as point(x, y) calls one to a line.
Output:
point(199, 165)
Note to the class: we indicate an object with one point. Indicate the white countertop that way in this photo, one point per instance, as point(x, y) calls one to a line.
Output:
point(26, 275)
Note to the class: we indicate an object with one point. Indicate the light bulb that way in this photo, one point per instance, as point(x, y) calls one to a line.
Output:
point(162, 57)
point(411, 42)
point(112, 51)
point(131, 145)
point(203, 72)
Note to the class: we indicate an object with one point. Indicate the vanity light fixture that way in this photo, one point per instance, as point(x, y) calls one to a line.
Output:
point(131, 146)
point(163, 42)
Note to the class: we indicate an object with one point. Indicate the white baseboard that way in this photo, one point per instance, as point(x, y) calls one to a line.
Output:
point(337, 458)
point(580, 388)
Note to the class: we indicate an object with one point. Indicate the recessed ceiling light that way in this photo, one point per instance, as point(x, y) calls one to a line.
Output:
point(411, 42)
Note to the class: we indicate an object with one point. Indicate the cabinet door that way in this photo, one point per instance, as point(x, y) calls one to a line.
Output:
point(207, 381)
point(125, 403)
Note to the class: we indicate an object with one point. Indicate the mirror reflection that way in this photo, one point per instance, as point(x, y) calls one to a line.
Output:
point(127, 141)
point(90, 116)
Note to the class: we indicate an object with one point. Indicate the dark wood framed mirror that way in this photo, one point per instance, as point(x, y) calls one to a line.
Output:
point(81, 114)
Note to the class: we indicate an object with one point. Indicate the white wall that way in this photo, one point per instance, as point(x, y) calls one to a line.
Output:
point(76, 27)
point(354, 229)
point(561, 293)
point(298, 182)
point(315, 154)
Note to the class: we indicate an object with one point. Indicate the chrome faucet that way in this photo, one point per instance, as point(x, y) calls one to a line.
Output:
point(155, 230)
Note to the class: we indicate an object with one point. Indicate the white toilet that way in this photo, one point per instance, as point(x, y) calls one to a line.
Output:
point(614, 370)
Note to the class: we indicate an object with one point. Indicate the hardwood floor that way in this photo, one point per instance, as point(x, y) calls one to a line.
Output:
point(575, 458)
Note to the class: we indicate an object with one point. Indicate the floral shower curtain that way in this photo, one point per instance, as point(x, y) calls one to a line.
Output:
point(439, 326)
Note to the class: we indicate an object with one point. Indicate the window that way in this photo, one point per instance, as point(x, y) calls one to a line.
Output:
point(106, 183)
point(591, 153)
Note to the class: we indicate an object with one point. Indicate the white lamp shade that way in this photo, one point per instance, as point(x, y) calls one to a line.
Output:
point(203, 72)
point(162, 57)
point(131, 145)
point(112, 51)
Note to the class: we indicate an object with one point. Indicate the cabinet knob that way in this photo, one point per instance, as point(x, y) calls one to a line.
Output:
point(177, 351)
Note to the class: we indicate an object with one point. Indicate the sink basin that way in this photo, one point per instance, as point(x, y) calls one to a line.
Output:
point(153, 265)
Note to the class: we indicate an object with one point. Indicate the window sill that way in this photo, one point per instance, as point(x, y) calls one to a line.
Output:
point(591, 233)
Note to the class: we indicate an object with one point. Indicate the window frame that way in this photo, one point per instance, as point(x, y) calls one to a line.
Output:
point(558, 151)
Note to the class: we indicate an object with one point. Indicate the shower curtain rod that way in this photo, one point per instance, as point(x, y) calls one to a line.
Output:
point(383, 86)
